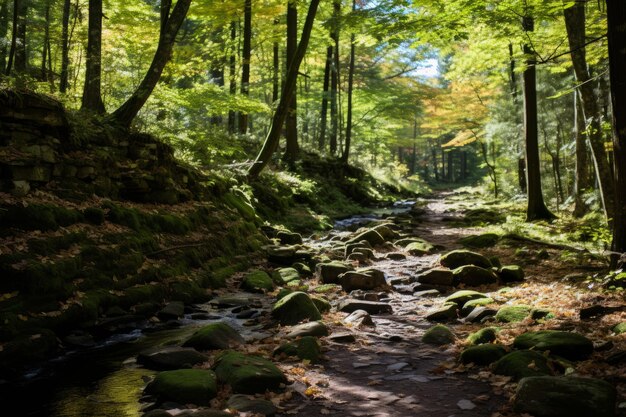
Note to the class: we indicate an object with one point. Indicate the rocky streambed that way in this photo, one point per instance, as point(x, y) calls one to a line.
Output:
point(380, 317)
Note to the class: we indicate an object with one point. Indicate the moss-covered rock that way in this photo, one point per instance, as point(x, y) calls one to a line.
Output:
point(215, 336)
point(247, 374)
point(511, 273)
point(513, 314)
point(295, 307)
point(485, 335)
point(461, 297)
point(546, 396)
point(245, 404)
point(485, 240)
point(461, 257)
point(541, 314)
point(289, 238)
point(322, 304)
point(361, 280)
point(521, 364)
point(438, 335)
point(328, 272)
point(257, 281)
point(195, 386)
point(474, 276)
point(482, 354)
point(447, 312)
point(472, 304)
point(33, 345)
point(312, 328)
point(436, 276)
point(569, 345)
point(305, 348)
point(284, 276)
point(619, 328)
point(170, 358)
point(419, 248)
point(371, 236)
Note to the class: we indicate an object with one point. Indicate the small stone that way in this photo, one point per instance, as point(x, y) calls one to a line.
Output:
point(395, 256)
point(288, 238)
point(247, 374)
point(463, 296)
point(170, 358)
point(619, 328)
point(472, 304)
point(465, 405)
point(328, 272)
point(305, 348)
point(343, 337)
point(479, 314)
point(257, 281)
point(352, 280)
point(195, 386)
point(294, 308)
point(256, 406)
point(359, 318)
point(312, 328)
point(474, 276)
point(438, 335)
point(486, 335)
point(448, 312)
point(521, 364)
point(427, 293)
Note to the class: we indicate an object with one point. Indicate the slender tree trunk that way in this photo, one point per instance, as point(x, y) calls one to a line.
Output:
point(127, 111)
point(521, 163)
point(616, 12)
point(334, 84)
point(575, 25)
point(346, 152)
point(21, 53)
point(325, 96)
point(246, 55)
point(414, 155)
point(16, 6)
point(4, 30)
point(46, 43)
point(232, 69)
point(581, 177)
point(271, 141)
point(291, 126)
point(217, 76)
point(276, 75)
point(65, 47)
point(92, 97)
point(434, 159)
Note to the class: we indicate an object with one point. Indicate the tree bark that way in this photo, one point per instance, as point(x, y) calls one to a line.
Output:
point(334, 83)
point(128, 111)
point(616, 12)
point(4, 30)
point(21, 55)
point(16, 5)
point(92, 97)
point(246, 55)
point(346, 152)
point(291, 126)
point(276, 75)
point(273, 137)
point(536, 209)
point(325, 96)
point(46, 43)
point(65, 47)
point(232, 68)
point(575, 25)
point(581, 176)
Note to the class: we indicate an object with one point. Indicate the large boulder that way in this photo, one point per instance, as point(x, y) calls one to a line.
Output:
point(482, 354)
point(257, 281)
point(328, 272)
point(294, 308)
point(436, 276)
point(474, 276)
point(572, 346)
point(247, 374)
point(461, 257)
point(170, 358)
point(547, 396)
point(215, 336)
point(521, 364)
point(195, 386)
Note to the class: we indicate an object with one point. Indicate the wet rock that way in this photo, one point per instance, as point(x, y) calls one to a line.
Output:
point(329, 271)
point(458, 258)
point(80, 339)
point(359, 318)
point(256, 406)
point(342, 337)
point(472, 304)
point(289, 238)
point(226, 302)
point(372, 307)
point(284, 276)
point(568, 345)
point(294, 308)
point(170, 358)
point(195, 386)
point(247, 314)
point(448, 312)
point(365, 279)
point(511, 273)
point(485, 240)
point(305, 348)
point(436, 276)
point(172, 311)
point(438, 335)
point(215, 336)
point(474, 276)
point(371, 236)
point(463, 296)
point(482, 354)
point(479, 314)
point(312, 328)
point(257, 281)
point(247, 374)
point(486, 335)
point(513, 314)
point(521, 364)
point(547, 396)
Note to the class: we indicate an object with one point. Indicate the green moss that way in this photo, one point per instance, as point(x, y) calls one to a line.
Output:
point(327, 288)
point(569, 345)
point(284, 276)
point(38, 217)
point(257, 281)
point(322, 304)
point(143, 293)
point(195, 386)
point(294, 308)
point(463, 296)
point(167, 223)
point(247, 374)
point(513, 314)
point(419, 248)
point(215, 336)
point(619, 328)
point(241, 205)
point(305, 348)
point(438, 335)
point(486, 335)
point(128, 217)
point(188, 291)
point(482, 354)
point(472, 304)
point(485, 240)
point(522, 364)
point(50, 245)
point(94, 215)
point(462, 257)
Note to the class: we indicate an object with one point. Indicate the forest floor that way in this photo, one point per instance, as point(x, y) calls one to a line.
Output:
point(388, 371)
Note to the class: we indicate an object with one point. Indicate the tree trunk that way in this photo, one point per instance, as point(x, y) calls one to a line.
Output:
point(246, 55)
point(334, 84)
point(92, 98)
point(291, 126)
point(325, 96)
point(414, 155)
point(4, 30)
point(276, 75)
point(346, 151)
point(127, 112)
point(16, 5)
point(273, 137)
point(536, 209)
point(46, 43)
point(616, 12)
point(21, 54)
point(575, 25)
point(581, 176)
point(65, 47)
point(232, 68)
point(434, 160)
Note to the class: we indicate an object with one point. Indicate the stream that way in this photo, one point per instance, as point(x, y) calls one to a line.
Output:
point(105, 381)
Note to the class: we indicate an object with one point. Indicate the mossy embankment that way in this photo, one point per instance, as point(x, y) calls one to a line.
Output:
point(98, 231)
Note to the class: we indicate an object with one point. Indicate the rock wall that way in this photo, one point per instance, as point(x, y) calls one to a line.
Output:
point(44, 147)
